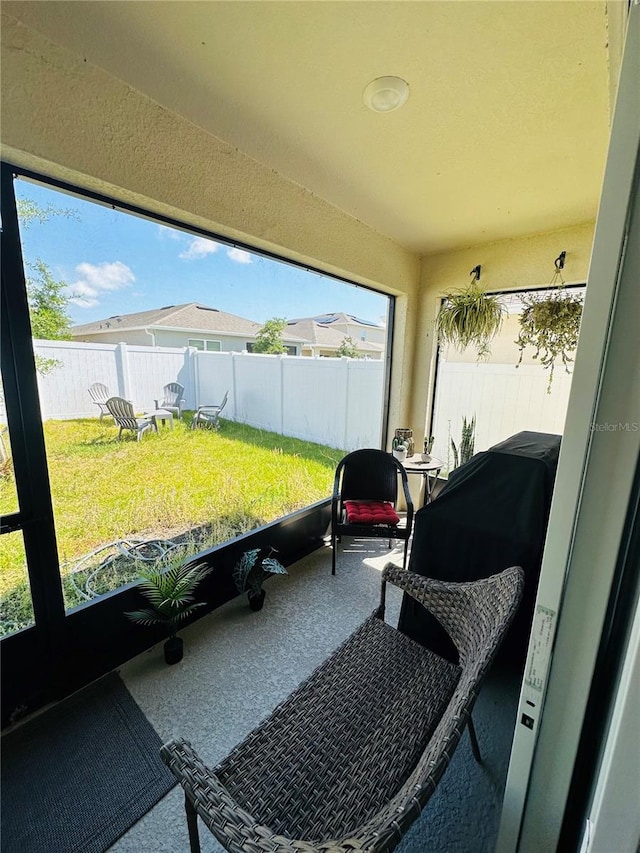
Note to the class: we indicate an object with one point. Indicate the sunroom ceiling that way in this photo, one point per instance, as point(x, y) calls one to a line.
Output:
point(504, 132)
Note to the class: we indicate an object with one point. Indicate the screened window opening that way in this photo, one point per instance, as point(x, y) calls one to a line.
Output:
point(114, 301)
point(482, 399)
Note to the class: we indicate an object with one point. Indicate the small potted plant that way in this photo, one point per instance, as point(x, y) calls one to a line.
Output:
point(427, 448)
point(467, 443)
point(399, 448)
point(252, 570)
point(170, 592)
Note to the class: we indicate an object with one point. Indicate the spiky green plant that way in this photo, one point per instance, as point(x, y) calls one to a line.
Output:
point(170, 592)
point(250, 572)
point(467, 443)
point(470, 317)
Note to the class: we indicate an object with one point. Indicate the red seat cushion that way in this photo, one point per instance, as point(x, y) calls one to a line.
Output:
point(371, 512)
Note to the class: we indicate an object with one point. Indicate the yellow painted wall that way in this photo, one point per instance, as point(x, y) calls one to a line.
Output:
point(526, 262)
point(67, 119)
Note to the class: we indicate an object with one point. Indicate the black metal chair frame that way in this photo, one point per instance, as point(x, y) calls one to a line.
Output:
point(369, 474)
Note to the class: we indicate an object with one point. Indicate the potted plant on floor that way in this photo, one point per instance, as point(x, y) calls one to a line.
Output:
point(467, 443)
point(252, 570)
point(170, 592)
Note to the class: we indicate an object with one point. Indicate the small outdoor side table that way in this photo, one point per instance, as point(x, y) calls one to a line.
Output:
point(415, 465)
point(160, 415)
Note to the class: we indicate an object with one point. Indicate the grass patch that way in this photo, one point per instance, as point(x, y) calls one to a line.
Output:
point(165, 485)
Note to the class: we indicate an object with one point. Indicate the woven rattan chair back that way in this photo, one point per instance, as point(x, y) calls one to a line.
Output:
point(350, 759)
point(369, 475)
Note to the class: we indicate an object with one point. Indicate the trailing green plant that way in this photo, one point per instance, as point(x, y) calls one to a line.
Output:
point(467, 443)
point(251, 571)
point(170, 592)
point(550, 323)
point(470, 317)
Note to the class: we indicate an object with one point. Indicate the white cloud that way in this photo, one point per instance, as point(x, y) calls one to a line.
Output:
point(199, 247)
point(163, 232)
point(239, 256)
point(96, 279)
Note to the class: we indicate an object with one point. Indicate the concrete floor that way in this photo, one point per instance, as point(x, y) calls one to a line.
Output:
point(238, 665)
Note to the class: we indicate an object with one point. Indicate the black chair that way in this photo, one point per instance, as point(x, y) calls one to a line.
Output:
point(365, 494)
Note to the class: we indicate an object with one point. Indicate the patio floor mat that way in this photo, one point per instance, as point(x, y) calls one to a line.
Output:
point(78, 776)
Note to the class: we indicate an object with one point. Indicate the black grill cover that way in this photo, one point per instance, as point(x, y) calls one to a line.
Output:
point(491, 514)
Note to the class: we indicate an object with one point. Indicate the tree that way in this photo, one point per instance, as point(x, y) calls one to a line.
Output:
point(348, 348)
point(48, 298)
point(269, 337)
point(48, 302)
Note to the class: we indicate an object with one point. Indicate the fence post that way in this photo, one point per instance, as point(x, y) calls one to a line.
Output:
point(281, 407)
point(345, 408)
point(234, 396)
point(194, 375)
point(347, 368)
point(122, 367)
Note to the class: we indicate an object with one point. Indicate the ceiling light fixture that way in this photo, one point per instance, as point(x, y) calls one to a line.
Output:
point(385, 94)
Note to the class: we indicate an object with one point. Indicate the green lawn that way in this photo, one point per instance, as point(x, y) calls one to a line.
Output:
point(103, 489)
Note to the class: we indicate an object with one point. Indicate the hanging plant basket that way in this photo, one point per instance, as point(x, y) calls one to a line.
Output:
point(550, 323)
point(470, 317)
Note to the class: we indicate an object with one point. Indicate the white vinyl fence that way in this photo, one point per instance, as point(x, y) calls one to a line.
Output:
point(337, 402)
point(504, 399)
point(331, 401)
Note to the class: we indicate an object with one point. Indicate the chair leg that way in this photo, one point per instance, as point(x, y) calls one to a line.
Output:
point(474, 741)
point(192, 825)
point(334, 545)
point(406, 550)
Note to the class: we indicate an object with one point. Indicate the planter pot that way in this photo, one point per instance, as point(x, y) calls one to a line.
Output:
point(406, 435)
point(173, 650)
point(426, 457)
point(400, 455)
point(256, 601)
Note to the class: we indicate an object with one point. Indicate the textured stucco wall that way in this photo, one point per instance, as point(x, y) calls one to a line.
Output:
point(506, 265)
point(72, 121)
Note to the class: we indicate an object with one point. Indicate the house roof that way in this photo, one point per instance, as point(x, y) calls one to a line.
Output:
point(338, 317)
point(190, 316)
point(320, 334)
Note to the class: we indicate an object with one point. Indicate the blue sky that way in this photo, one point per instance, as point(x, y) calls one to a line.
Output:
point(116, 263)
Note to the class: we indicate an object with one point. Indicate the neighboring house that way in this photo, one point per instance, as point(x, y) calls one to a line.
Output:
point(324, 334)
point(187, 325)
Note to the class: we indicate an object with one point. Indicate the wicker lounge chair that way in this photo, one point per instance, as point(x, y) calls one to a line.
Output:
point(125, 417)
point(349, 760)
